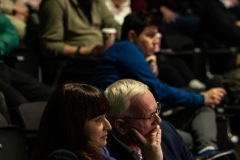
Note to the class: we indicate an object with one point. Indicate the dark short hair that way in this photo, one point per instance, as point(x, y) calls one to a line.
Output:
point(64, 118)
point(138, 21)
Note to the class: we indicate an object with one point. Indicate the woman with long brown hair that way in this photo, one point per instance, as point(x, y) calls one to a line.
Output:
point(73, 125)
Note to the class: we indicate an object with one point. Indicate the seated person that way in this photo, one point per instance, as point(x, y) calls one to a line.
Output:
point(74, 26)
point(177, 15)
point(16, 86)
point(179, 22)
point(119, 8)
point(127, 59)
point(78, 130)
point(17, 12)
point(221, 20)
point(133, 115)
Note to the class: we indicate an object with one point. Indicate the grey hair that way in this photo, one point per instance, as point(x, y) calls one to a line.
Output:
point(119, 95)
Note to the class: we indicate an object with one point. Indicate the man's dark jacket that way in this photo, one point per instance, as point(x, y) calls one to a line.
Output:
point(173, 146)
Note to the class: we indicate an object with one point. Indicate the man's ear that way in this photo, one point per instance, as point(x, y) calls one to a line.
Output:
point(131, 35)
point(120, 126)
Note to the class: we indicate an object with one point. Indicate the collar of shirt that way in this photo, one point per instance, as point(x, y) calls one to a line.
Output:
point(136, 155)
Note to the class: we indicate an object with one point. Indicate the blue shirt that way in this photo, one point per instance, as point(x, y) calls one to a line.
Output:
point(125, 60)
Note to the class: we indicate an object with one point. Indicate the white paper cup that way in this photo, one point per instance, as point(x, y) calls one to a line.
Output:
point(157, 46)
point(109, 35)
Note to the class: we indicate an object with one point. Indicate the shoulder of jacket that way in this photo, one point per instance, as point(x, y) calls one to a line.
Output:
point(63, 153)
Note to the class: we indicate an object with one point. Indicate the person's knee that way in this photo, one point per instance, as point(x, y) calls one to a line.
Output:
point(207, 111)
point(187, 138)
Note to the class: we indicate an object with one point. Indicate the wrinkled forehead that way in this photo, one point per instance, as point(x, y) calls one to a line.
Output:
point(143, 104)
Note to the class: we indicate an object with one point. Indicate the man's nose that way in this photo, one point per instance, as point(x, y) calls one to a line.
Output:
point(158, 119)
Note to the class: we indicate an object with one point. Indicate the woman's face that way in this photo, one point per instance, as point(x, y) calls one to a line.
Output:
point(97, 129)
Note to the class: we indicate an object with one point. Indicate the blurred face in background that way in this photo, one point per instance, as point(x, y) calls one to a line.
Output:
point(146, 40)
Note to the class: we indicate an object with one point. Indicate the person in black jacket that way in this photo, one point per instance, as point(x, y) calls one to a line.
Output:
point(221, 20)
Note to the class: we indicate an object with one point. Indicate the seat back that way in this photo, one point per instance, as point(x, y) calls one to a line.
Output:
point(13, 143)
point(31, 114)
point(3, 121)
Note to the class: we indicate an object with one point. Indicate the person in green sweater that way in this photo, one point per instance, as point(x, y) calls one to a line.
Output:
point(74, 26)
point(16, 86)
point(8, 36)
point(17, 12)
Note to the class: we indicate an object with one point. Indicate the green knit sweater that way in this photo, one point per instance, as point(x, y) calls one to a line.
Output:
point(8, 36)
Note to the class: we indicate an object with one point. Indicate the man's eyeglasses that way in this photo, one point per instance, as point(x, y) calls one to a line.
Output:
point(152, 116)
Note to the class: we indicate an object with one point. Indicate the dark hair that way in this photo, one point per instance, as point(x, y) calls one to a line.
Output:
point(138, 21)
point(64, 117)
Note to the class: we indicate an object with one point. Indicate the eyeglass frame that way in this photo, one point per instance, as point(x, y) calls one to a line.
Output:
point(151, 116)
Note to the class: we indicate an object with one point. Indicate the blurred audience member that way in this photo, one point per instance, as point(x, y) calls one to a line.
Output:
point(17, 87)
point(17, 12)
point(119, 8)
point(8, 34)
point(74, 26)
point(177, 15)
point(221, 20)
